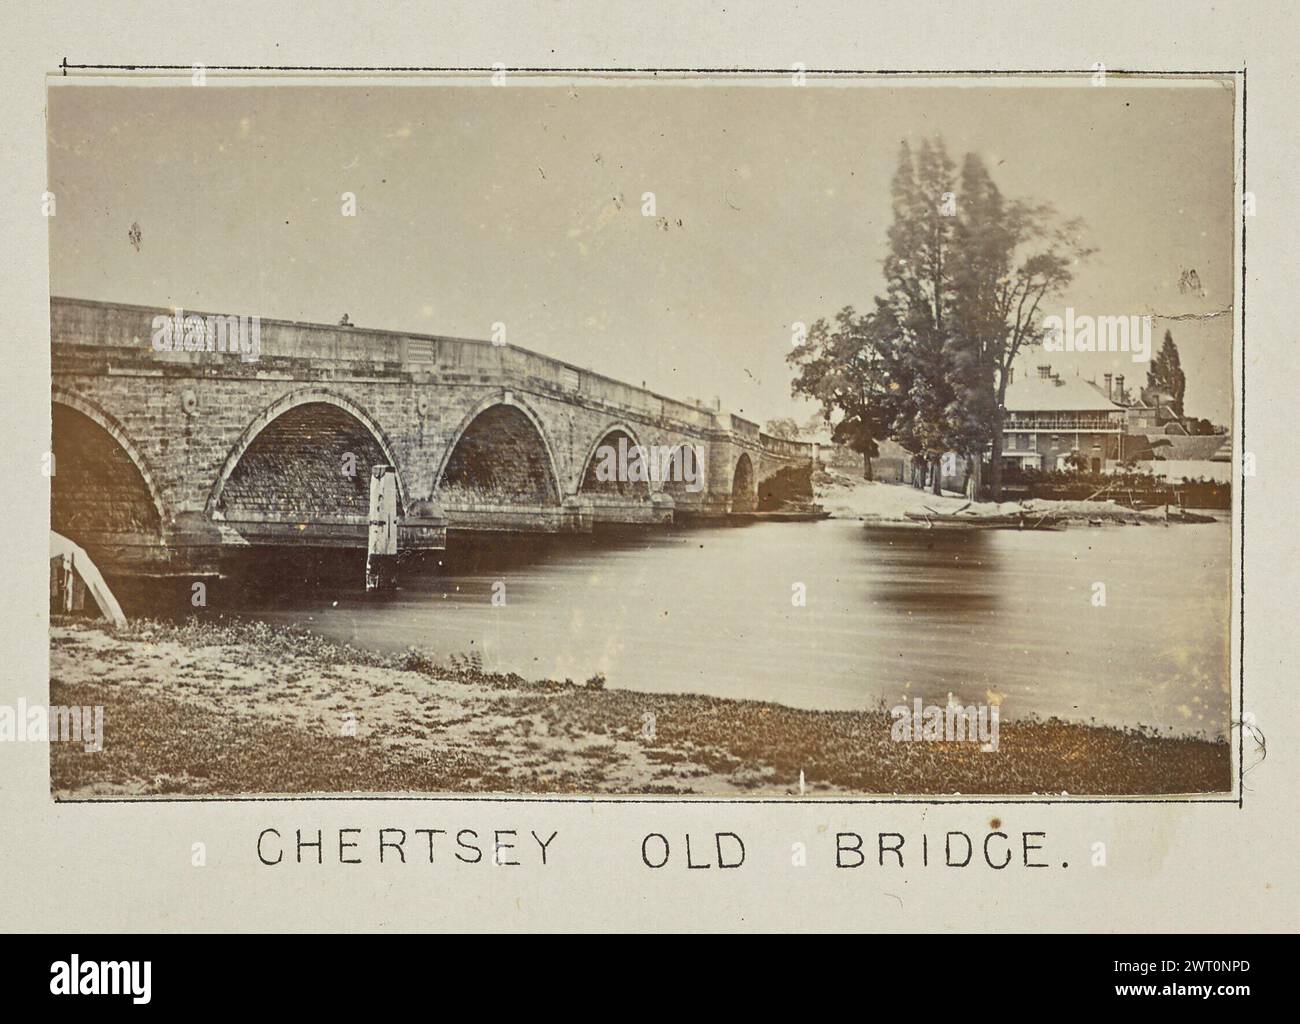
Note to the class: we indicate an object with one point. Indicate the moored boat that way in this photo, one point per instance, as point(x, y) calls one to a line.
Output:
point(999, 521)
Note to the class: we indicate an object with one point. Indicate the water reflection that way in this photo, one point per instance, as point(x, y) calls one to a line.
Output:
point(890, 614)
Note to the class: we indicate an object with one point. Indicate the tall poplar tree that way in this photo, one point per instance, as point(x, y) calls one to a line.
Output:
point(1165, 373)
point(1013, 258)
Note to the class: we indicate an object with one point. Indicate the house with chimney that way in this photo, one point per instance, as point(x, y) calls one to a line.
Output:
point(1152, 412)
point(1050, 418)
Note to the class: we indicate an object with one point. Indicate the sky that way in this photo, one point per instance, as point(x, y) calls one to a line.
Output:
point(521, 204)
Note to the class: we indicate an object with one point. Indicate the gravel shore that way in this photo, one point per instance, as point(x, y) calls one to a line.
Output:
point(232, 708)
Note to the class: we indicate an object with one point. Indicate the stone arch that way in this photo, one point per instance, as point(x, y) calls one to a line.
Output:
point(290, 460)
point(682, 458)
point(743, 492)
point(589, 484)
point(500, 453)
point(784, 482)
point(101, 482)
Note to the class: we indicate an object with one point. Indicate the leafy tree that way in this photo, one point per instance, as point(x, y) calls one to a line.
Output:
point(912, 326)
point(1165, 373)
point(1077, 461)
point(785, 428)
point(840, 368)
point(1012, 257)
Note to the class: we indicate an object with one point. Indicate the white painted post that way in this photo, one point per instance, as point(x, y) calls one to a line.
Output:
point(381, 549)
point(76, 564)
point(69, 584)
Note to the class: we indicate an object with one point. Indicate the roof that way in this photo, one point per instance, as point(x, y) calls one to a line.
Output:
point(887, 448)
point(891, 449)
point(1143, 448)
point(1066, 394)
point(1202, 447)
point(1172, 448)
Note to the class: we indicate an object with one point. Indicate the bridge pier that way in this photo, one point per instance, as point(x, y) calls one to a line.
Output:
point(195, 545)
point(573, 515)
point(614, 510)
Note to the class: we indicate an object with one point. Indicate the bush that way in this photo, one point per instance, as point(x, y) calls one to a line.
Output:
point(413, 660)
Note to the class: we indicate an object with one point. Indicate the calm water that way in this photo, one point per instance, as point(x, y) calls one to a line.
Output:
point(890, 614)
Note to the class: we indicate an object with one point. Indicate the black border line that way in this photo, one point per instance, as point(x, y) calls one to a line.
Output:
point(814, 801)
point(511, 798)
point(65, 67)
point(1241, 495)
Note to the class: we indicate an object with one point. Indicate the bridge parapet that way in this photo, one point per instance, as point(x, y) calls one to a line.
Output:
point(524, 366)
point(747, 429)
point(321, 351)
point(801, 450)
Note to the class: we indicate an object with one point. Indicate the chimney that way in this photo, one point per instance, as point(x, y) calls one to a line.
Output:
point(1119, 388)
point(1108, 378)
point(1045, 371)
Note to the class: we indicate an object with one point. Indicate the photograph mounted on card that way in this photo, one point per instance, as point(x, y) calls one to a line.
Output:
point(702, 435)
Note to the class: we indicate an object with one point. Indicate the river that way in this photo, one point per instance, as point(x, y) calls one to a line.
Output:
point(991, 616)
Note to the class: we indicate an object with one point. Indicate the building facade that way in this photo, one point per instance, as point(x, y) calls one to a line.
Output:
point(1050, 420)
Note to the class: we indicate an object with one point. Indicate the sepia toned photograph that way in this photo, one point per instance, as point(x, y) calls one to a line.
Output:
point(780, 436)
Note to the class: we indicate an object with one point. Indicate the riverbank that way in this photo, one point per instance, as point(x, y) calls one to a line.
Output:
point(204, 709)
point(848, 497)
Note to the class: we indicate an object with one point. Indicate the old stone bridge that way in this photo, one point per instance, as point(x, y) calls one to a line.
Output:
point(163, 460)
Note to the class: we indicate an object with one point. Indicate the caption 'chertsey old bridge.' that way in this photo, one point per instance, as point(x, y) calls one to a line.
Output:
point(165, 459)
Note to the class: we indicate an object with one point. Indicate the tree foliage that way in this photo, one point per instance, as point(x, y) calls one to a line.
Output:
point(784, 428)
point(1165, 373)
point(967, 272)
point(839, 367)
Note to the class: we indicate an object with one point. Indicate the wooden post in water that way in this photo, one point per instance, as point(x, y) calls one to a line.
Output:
point(381, 549)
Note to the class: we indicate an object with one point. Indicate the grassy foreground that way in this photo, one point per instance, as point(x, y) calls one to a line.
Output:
point(246, 708)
